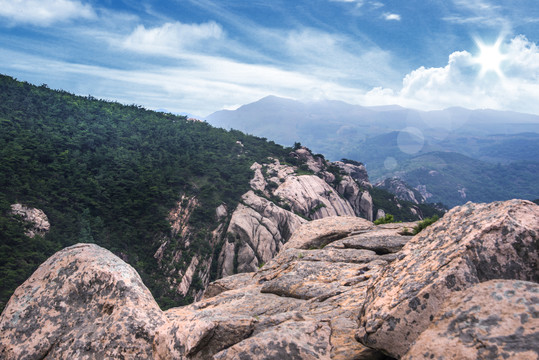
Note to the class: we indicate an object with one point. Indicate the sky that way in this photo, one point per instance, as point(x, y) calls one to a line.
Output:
point(200, 56)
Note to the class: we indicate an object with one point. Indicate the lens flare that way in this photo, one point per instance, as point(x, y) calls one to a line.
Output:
point(490, 57)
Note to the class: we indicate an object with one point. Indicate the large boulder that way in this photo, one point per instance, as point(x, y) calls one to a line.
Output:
point(497, 319)
point(318, 233)
point(312, 197)
point(470, 244)
point(258, 229)
point(82, 303)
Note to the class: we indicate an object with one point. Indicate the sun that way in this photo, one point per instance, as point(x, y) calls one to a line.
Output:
point(490, 57)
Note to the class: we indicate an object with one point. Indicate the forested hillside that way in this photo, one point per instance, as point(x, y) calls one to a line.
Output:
point(109, 173)
point(157, 189)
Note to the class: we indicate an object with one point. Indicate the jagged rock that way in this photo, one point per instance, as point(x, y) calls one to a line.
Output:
point(380, 214)
point(496, 319)
point(221, 212)
point(314, 163)
point(384, 239)
point(357, 172)
point(318, 233)
point(312, 197)
point(82, 303)
point(423, 191)
point(361, 201)
point(85, 303)
point(366, 205)
point(187, 278)
point(401, 190)
point(258, 182)
point(226, 258)
point(179, 216)
point(260, 228)
point(39, 221)
point(470, 244)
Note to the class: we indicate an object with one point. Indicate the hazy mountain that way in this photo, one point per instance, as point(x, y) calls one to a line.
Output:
point(387, 139)
point(337, 129)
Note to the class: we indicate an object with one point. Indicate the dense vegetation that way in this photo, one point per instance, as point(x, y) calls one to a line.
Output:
point(109, 173)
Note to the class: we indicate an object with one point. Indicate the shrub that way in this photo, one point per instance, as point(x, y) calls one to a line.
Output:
point(423, 224)
point(385, 220)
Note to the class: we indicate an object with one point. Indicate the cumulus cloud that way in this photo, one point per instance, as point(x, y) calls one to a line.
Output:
point(388, 16)
point(171, 37)
point(44, 12)
point(461, 82)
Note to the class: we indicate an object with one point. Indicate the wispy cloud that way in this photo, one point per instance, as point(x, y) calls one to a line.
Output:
point(479, 12)
point(171, 38)
point(44, 12)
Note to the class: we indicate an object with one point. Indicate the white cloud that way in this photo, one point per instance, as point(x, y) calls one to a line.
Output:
point(170, 38)
point(337, 58)
point(396, 17)
point(460, 83)
point(44, 12)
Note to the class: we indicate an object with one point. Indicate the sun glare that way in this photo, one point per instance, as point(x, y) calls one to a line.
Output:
point(490, 57)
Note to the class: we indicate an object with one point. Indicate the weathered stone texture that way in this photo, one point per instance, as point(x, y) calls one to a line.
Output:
point(82, 303)
point(497, 319)
point(470, 244)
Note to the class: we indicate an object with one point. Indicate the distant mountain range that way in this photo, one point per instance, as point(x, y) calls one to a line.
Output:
point(390, 139)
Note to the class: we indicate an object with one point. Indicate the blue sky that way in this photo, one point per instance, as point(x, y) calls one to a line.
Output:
point(205, 55)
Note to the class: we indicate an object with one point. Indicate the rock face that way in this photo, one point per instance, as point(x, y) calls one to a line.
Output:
point(257, 230)
point(496, 319)
point(300, 305)
point(423, 297)
point(35, 217)
point(311, 196)
point(85, 303)
point(282, 197)
point(82, 303)
point(401, 190)
point(280, 201)
point(470, 244)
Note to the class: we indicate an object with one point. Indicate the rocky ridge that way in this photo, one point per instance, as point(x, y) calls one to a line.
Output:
point(284, 196)
point(404, 192)
point(305, 302)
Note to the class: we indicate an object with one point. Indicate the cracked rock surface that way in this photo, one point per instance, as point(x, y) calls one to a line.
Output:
point(472, 243)
point(338, 280)
point(497, 319)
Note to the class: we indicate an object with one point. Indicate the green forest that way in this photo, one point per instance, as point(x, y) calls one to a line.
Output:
point(108, 173)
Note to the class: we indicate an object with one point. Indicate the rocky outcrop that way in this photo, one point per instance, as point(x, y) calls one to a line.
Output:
point(37, 220)
point(82, 303)
point(174, 256)
point(312, 197)
point(86, 303)
point(282, 195)
point(360, 200)
point(257, 231)
point(281, 200)
point(401, 190)
point(470, 244)
point(304, 303)
point(496, 319)
point(356, 171)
